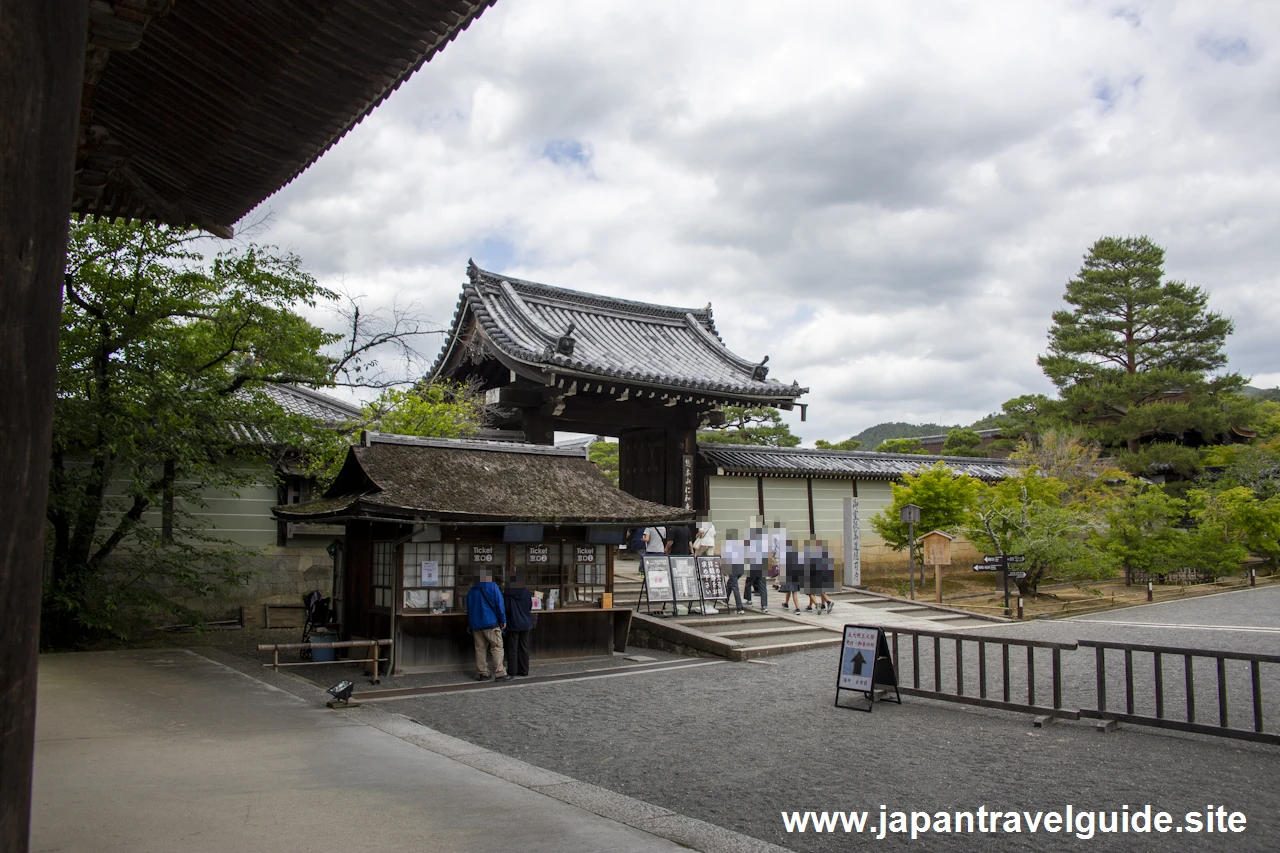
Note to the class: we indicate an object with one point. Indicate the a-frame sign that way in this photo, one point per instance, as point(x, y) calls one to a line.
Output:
point(865, 662)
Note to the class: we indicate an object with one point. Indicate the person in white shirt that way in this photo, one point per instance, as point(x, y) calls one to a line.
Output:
point(705, 543)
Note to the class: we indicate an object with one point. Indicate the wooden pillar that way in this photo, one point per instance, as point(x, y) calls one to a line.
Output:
point(538, 428)
point(42, 48)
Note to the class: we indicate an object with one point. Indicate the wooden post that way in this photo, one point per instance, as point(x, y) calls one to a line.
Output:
point(937, 581)
point(42, 48)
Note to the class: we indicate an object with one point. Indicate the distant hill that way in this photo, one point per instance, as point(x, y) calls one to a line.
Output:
point(871, 436)
point(1272, 394)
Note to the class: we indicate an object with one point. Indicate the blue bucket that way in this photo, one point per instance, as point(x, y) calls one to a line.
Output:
point(323, 655)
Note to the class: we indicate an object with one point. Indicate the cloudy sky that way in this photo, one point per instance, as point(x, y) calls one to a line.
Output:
point(887, 198)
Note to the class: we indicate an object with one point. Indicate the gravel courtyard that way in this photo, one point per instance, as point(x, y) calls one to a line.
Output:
point(737, 743)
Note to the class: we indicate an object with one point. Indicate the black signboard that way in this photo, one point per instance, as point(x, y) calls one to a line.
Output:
point(684, 579)
point(657, 579)
point(584, 553)
point(535, 554)
point(483, 553)
point(710, 577)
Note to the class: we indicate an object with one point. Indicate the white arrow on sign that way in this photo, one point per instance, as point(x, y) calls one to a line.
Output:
point(992, 559)
point(1015, 558)
point(982, 568)
point(1017, 574)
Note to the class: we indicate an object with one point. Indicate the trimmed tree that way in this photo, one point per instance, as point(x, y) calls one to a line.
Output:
point(751, 425)
point(1132, 357)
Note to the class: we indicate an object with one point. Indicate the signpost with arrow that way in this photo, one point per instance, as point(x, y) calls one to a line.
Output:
point(1000, 563)
point(865, 662)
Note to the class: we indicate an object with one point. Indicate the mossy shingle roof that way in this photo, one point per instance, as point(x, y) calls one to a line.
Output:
point(459, 480)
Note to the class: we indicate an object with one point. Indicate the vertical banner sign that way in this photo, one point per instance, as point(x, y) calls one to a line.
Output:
point(852, 544)
point(865, 662)
point(686, 480)
point(711, 578)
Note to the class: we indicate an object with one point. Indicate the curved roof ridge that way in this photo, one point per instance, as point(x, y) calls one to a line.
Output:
point(717, 345)
point(594, 300)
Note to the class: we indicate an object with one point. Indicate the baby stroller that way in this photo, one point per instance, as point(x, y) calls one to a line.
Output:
point(317, 616)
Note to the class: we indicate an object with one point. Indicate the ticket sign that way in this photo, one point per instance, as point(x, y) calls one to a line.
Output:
point(584, 553)
point(537, 554)
point(858, 658)
point(710, 577)
point(684, 578)
point(657, 578)
point(482, 553)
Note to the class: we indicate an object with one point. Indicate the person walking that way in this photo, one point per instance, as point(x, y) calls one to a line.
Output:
point(518, 602)
point(757, 548)
point(678, 541)
point(486, 619)
point(735, 559)
point(705, 543)
point(792, 578)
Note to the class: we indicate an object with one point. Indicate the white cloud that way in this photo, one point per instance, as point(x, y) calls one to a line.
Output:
point(887, 198)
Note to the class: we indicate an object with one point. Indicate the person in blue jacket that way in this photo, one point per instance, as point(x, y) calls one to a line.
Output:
point(486, 619)
point(520, 623)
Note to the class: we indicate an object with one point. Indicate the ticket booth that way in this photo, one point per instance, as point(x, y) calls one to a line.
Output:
point(425, 518)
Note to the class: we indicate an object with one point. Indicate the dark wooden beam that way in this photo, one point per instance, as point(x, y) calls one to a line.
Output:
point(42, 50)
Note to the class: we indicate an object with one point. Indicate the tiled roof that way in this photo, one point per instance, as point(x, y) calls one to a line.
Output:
point(840, 464)
point(298, 401)
point(303, 401)
point(573, 333)
point(468, 480)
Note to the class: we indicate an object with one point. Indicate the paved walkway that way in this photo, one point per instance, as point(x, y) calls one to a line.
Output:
point(168, 750)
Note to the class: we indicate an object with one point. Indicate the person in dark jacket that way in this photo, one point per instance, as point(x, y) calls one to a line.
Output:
point(678, 541)
point(486, 618)
point(520, 621)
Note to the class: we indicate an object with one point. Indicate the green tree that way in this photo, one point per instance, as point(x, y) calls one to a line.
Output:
point(441, 410)
point(1133, 356)
point(847, 444)
point(902, 445)
point(963, 442)
point(1141, 532)
point(160, 360)
point(1032, 514)
point(946, 500)
point(605, 455)
point(1239, 522)
point(751, 425)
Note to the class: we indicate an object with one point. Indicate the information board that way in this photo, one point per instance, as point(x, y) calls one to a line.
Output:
point(684, 579)
point(865, 661)
point(858, 658)
point(657, 578)
point(430, 573)
point(710, 577)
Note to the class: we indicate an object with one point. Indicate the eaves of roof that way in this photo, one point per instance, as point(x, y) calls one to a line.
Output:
point(754, 460)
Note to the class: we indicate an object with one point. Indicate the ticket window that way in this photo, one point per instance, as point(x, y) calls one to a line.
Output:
point(588, 571)
point(431, 578)
point(542, 568)
point(474, 560)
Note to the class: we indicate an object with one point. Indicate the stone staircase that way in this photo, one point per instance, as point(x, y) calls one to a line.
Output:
point(757, 634)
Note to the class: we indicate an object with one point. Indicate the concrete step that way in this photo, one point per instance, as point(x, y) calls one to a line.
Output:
point(794, 638)
point(748, 633)
point(912, 610)
point(713, 624)
point(788, 648)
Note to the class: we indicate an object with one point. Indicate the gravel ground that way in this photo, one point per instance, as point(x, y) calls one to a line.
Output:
point(735, 744)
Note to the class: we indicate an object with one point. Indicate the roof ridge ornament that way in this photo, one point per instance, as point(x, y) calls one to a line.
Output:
point(760, 373)
point(566, 343)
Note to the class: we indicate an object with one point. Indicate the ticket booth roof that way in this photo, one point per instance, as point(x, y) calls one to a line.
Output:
point(459, 481)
